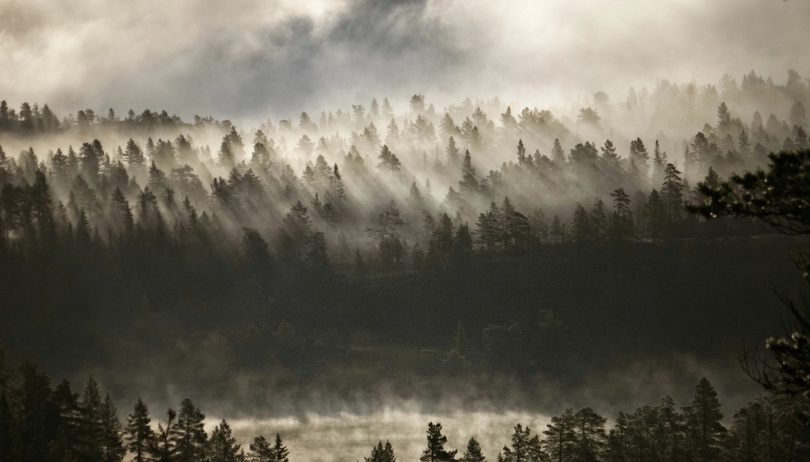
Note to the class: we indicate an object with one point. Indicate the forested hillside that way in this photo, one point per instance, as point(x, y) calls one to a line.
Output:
point(368, 246)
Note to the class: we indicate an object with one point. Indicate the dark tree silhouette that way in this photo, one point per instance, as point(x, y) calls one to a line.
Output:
point(780, 197)
point(435, 451)
point(139, 434)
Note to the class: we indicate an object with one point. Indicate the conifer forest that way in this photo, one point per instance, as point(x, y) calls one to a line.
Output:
point(364, 254)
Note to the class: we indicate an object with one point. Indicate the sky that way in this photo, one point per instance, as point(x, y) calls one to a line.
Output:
point(252, 59)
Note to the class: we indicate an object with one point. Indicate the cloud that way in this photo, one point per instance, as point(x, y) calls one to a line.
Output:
point(248, 58)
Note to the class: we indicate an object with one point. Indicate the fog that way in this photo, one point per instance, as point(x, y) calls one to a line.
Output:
point(348, 437)
point(248, 59)
point(271, 295)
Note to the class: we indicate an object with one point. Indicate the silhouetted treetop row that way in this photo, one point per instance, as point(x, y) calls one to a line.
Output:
point(41, 423)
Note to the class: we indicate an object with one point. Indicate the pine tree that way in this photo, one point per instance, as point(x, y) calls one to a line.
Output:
point(386, 233)
point(133, 156)
point(581, 225)
point(744, 145)
point(521, 153)
point(453, 153)
point(89, 162)
point(669, 433)
point(655, 215)
point(33, 413)
point(622, 219)
point(672, 196)
point(237, 147)
point(187, 435)
point(525, 448)
point(382, 453)
point(392, 134)
point(705, 432)
point(640, 157)
point(584, 153)
point(260, 159)
point(557, 153)
point(462, 248)
point(435, 451)
point(560, 442)
point(590, 435)
point(222, 447)
point(226, 156)
point(468, 182)
point(337, 184)
point(723, 118)
point(609, 152)
point(260, 450)
point(488, 228)
point(659, 162)
point(598, 221)
point(558, 232)
point(139, 434)
point(388, 160)
point(120, 207)
point(164, 448)
point(91, 430)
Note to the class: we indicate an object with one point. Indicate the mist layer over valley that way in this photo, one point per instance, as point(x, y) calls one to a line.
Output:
point(336, 231)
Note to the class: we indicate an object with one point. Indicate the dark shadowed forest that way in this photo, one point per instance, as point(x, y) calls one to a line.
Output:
point(483, 255)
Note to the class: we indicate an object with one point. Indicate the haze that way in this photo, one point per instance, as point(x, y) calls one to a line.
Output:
point(390, 213)
point(249, 59)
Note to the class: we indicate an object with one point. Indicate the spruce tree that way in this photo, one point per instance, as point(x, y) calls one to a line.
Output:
point(139, 434)
point(112, 445)
point(473, 452)
point(279, 452)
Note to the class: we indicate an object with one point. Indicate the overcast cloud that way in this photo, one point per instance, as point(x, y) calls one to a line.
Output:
point(253, 58)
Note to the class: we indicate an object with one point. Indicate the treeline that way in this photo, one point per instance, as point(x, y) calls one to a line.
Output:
point(39, 423)
point(31, 120)
point(140, 235)
point(172, 186)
